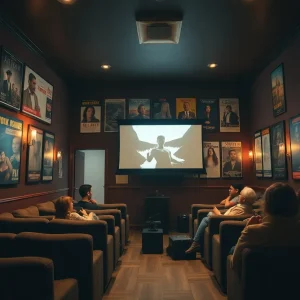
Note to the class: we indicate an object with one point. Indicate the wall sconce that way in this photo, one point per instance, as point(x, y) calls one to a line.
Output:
point(250, 154)
point(58, 155)
point(31, 137)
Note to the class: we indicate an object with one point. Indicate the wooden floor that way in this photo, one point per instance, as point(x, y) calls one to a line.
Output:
point(156, 276)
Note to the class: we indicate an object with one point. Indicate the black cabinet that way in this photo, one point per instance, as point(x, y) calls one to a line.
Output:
point(157, 208)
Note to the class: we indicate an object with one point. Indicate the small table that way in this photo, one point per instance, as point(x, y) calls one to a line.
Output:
point(152, 241)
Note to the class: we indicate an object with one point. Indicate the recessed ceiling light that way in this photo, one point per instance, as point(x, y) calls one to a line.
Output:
point(212, 66)
point(67, 1)
point(106, 67)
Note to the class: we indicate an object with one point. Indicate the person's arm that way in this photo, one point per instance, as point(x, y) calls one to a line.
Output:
point(229, 202)
point(216, 211)
point(76, 216)
point(150, 156)
point(224, 201)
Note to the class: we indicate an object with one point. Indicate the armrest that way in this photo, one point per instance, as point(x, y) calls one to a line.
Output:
point(36, 217)
point(202, 213)
point(110, 220)
point(120, 206)
point(17, 225)
point(113, 212)
point(196, 207)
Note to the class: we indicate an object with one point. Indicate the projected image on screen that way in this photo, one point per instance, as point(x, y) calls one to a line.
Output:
point(160, 147)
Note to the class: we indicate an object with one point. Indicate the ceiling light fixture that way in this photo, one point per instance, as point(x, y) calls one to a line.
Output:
point(67, 1)
point(106, 67)
point(212, 66)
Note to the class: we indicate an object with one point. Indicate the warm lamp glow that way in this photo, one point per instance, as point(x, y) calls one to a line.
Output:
point(212, 66)
point(58, 154)
point(31, 137)
point(251, 154)
point(106, 67)
point(66, 1)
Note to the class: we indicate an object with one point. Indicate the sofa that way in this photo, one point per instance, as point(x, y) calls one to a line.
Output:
point(29, 212)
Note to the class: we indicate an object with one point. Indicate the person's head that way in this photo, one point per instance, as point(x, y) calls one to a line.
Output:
point(211, 153)
point(207, 108)
point(165, 107)
point(141, 109)
point(32, 83)
point(281, 201)
point(186, 106)
point(8, 74)
point(235, 189)
point(228, 108)
point(247, 196)
point(88, 112)
point(16, 145)
point(2, 155)
point(48, 107)
point(232, 155)
point(63, 207)
point(85, 191)
point(160, 140)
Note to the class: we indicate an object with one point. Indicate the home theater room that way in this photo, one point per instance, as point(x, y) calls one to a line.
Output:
point(149, 150)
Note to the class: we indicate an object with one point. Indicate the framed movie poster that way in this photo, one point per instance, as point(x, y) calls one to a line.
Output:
point(278, 151)
point(211, 154)
point(231, 159)
point(90, 116)
point(114, 111)
point(229, 115)
point(11, 79)
point(295, 146)
point(48, 156)
point(278, 91)
point(258, 154)
point(34, 154)
point(139, 109)
point(37, 96)
point(208, 112)
point(266, 153)
point(186, 108)
point(163, 109)
point(11, 130)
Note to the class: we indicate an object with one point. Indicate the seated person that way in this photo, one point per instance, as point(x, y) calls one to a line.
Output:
point(64, 210)
point(86, 201)
point(233, 198)
point(246, 199)
point(279, 227)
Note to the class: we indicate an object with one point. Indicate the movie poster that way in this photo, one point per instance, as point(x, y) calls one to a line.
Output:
point(37, 96)
point(229, 115)
point(11, 79)
point(295, 146)
point(90, 116)
point(258, 154)
point(186, 108)
point(231, 159)
point(34, 155)
point(208, 112)
point(278, 93)
point(163, 109)
point(266, 153)
point(212, 161)
point(278, 151)
point(10, 149)
point(139, 109)
point(114, 111)
point(48, 155)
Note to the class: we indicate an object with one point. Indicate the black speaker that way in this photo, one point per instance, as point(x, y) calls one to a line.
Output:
point(178, 244)
point(183, 223)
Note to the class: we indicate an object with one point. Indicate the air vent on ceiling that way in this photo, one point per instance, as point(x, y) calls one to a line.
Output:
point(159, 32)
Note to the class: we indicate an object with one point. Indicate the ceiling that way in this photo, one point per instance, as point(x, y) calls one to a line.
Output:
point(241, 36)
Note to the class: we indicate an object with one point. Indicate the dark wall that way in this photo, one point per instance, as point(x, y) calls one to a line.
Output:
point(183, 192)
point(261, 100)
point(23, 195)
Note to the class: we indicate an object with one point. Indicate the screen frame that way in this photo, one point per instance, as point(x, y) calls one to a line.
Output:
point(181, 171)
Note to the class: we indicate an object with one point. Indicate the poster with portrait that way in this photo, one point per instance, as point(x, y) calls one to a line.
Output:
point(114, 111)
point(232, 159)
point(139, 109)
point(229, 115)
point(163, 109)
point(90, 116)
point(37, 96)
point(34, 154)
point(278, 91)
point(212, 159)
point(295, 146)
point(258, 154)
point(208, 112)
point(48, 156)
point(278, 150)
point(10, 149)
point(185, 108)
point(266, 153)
point(11, 79)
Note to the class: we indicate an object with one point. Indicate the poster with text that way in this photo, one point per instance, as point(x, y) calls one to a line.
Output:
point(278, 92)
point(258, 154)
point(90, 116)
point(208, 112)
point(278, 151)
point(11, 79)
point(139, 109)
point(37, 96)
point(232, 159)
point(212, 159)
point(266, 153)
point(229, 115)
point(10, 149)
point(48, 156)
point(34, 155)
point(295, 146)
point(186, 108)
point(114, 111)
point(163, 109)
